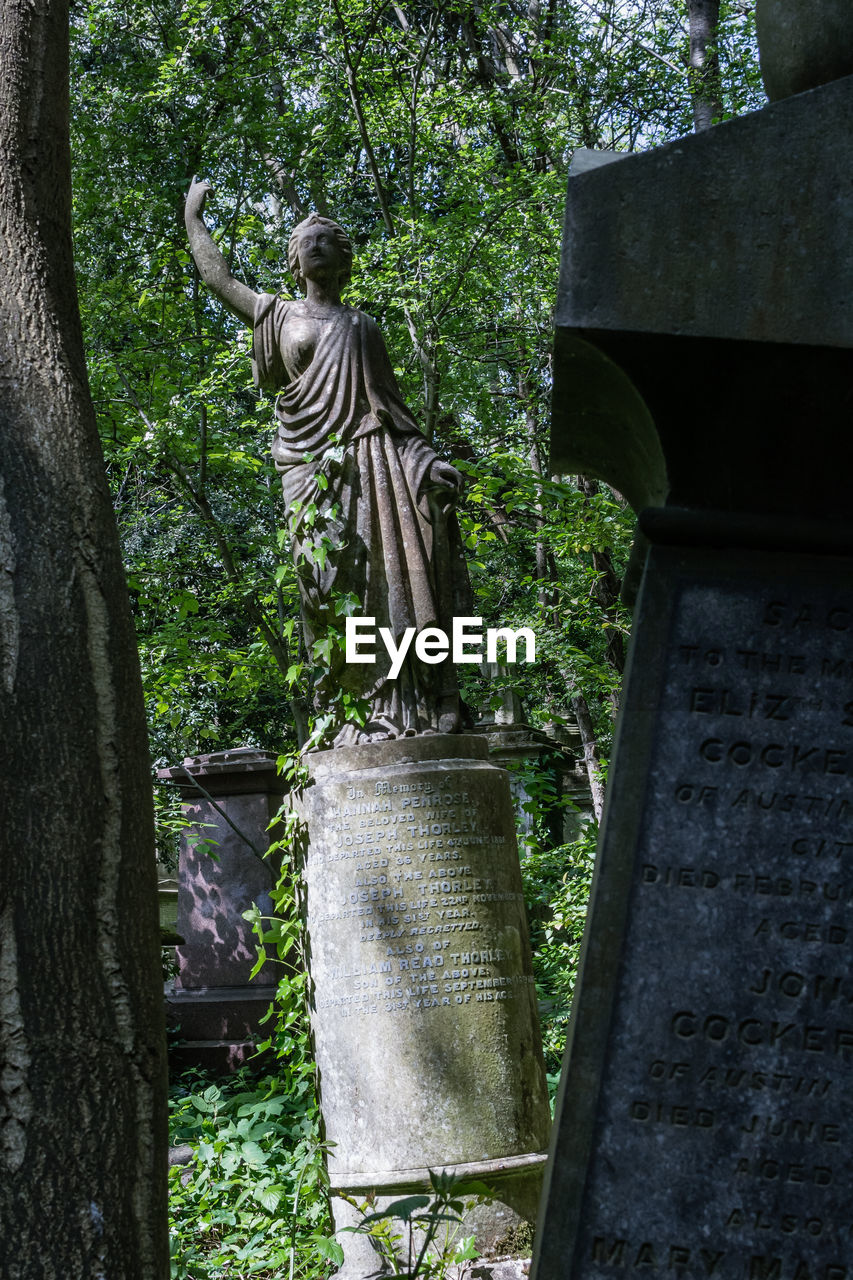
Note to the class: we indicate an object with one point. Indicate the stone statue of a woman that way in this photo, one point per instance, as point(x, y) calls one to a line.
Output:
point(369, 504)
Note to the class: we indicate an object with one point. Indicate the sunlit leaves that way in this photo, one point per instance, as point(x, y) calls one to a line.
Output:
point(254, 1193)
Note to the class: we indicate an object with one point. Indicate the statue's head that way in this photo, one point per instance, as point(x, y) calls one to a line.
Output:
point(342, 242)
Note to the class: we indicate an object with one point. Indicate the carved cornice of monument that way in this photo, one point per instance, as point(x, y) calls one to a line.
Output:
point(803, 43)
point(704, 333)
point(238, 771)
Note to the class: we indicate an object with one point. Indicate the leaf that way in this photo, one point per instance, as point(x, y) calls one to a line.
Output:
point(253, 1154)
point(402, 1209)
point(467, 1251)
point(269, 1197)
point(328, 1249)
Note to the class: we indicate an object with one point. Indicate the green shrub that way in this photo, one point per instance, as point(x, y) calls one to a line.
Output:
point(254, 1199)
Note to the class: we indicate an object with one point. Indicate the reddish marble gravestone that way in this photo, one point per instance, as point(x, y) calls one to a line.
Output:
point(215, 1003)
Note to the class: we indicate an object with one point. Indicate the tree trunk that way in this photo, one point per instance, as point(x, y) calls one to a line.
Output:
point(703, 17)
point(591, 757)
point(82, 1078)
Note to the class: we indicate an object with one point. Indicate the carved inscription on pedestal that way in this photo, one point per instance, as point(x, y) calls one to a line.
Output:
point(409, 887)
point(730, 1057)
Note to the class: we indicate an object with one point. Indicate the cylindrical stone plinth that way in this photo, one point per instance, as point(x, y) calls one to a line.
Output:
point(423, 1003)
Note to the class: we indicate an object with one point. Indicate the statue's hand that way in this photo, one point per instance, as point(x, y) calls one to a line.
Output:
point(444, 482)
point(196, 197)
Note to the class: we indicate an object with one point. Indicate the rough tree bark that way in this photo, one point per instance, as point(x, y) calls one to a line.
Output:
point(82, 1078)
point(703, 19)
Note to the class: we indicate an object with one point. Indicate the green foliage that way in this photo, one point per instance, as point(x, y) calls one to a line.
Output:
point(568, 530)
point(558, 879)
point(419, 1235)
point(253, 1201)
point(281, 941)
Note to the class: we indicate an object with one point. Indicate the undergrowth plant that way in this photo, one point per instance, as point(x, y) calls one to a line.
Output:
point(253, 1199)
point(420, 1237)
point(556, 880)
point(559, 880)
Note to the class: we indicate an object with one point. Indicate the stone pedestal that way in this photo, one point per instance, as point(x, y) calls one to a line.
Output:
point(167, 898)
point(423, 1003)
point(215, 1005)
point(555, 754)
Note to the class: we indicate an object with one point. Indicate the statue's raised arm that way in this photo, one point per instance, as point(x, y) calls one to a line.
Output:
point(212, 266)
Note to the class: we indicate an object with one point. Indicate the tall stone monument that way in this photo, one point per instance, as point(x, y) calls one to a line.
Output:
point(422, 998)
point(704, 366)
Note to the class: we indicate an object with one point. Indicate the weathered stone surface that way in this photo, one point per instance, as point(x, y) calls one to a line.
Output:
point(492, 1269)
point(167, 896)
point(705, 1119)
point(502, 1269)
point(214, 891)
point(803, 43)
point(705, 237)
point(496, 1227)
point(219, 1013)
point(423, 1004)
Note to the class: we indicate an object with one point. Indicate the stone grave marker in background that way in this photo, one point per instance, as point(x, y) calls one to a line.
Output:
point(214, 1004)
point(547, 775)
point(704, 366)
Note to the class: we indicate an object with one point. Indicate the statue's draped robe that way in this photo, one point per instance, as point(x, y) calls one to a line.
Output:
point(378, 536)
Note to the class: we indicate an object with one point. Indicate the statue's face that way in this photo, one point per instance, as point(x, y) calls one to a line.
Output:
point(319, 254)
